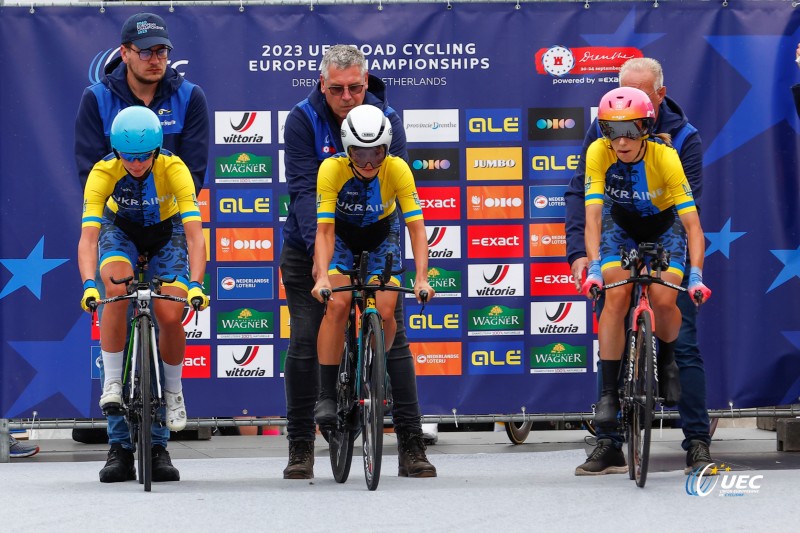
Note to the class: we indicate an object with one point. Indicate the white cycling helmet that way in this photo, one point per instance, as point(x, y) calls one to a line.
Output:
point(366, 127)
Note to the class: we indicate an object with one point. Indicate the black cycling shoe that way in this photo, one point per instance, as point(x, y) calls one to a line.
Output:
point(162, 465)
point(119, 465)
point(669, 383)
point(325, 412)
point(605, 414)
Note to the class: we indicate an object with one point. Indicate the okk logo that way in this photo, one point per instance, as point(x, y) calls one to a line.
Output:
point(702, 482)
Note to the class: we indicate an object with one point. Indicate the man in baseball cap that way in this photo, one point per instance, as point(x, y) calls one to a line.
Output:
point(145, 30)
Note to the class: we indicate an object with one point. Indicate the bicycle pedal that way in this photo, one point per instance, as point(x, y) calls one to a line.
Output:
point(113, 409)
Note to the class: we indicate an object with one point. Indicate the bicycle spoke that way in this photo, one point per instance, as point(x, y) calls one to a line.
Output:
point(372, 395)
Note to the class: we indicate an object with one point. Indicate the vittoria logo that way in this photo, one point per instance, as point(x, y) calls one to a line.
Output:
point(242, 127)
point(444, 242)
point(549, 318)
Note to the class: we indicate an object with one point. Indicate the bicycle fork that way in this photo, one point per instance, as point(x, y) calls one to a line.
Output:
point(154, 361)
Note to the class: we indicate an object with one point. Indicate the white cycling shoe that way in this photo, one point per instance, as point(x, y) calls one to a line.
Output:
point(112, 395)
point(176, 410)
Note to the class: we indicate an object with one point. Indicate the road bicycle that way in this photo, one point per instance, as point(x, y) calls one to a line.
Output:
point(141, 377)
point(363, 390)
point(639, 392)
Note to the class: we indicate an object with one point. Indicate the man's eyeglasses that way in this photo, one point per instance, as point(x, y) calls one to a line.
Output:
point(147, 53)
point(362, 156)
point(630, 129)
point(130, 158)
point(338, 90)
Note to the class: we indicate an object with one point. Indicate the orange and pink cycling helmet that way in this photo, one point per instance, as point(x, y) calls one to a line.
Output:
point(625, 112)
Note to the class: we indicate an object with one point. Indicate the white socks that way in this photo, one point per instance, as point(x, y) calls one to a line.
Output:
point(172, 377)
point(112, 367)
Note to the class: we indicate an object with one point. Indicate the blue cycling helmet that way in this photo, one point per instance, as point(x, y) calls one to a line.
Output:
point(136, 130)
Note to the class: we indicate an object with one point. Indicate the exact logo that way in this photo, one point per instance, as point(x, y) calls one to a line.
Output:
point(495, 241)
point(493, 124)
point(551, 279)
point(440, 203)
point(197, 362)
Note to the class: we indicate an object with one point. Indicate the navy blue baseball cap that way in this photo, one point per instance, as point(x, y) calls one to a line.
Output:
point(145, 30)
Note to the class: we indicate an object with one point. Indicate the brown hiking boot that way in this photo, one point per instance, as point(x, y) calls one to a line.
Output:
point(301, 460)
point(412, 459)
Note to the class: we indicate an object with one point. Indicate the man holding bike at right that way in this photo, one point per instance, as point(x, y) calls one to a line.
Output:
point(140, 200)
point(636, 191)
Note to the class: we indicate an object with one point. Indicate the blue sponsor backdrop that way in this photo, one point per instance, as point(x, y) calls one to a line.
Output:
point(729, 67)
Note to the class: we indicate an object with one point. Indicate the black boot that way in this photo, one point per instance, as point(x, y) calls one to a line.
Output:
point(669, 380)
point(412, 461)
point(301, 460)
point(605, 415)
point(119, 465)
point(325, 410)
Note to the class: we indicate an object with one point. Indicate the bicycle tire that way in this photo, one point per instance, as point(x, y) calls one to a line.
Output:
point(643, 401)
point(517, 432)
point(145, 450)
point(342, 438)
point(373, 379)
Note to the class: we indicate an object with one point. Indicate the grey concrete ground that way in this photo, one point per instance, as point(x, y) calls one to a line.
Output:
point(484, 483)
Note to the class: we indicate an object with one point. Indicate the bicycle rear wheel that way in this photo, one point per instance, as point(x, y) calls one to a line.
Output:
point(643, 401)
point(341, 438)
point(373, 379)
point(144, 454)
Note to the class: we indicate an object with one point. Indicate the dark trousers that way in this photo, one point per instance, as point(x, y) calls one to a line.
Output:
point(301, 372)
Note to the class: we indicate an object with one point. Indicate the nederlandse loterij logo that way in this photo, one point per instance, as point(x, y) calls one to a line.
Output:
point(703, 480)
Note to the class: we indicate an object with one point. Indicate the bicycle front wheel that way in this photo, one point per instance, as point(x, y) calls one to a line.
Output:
point(341, 438)
point(644, 383)
point(373, 379)
point(144, 447)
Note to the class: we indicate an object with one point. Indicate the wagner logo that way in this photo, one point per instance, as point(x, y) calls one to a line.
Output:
point(547, 201)
point(485, 242)
point(432, 164)
point(496, 320)
point(558, 358)
point(549, 318)
point(244, 205)
point(494, 163)
point(551, 279)
point(556, 124)
point(495, 357)
point(496, 280)
point(446, 283)
point(242, 127)
point(548, 240)
point(436, 358)
point(196, 324)
point(245, 244)
point(434, 322)
point(245, 361)
point(558, 162)
point(440, 203)
point(197, 362)
point(493, 124)
point(444, 242)
point(243, 167)
point(246, 323)
point(495, 202)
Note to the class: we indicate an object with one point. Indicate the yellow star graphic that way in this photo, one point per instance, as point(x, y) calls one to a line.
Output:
point(714, 471)
point(727, 469)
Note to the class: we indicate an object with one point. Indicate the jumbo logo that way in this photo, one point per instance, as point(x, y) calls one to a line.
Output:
point(495, 357)
point(554, 163)
point(434, 322)
point(493, 124)
point(494, 163)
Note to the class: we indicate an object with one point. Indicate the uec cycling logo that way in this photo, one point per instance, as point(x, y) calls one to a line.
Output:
point(702, 483)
